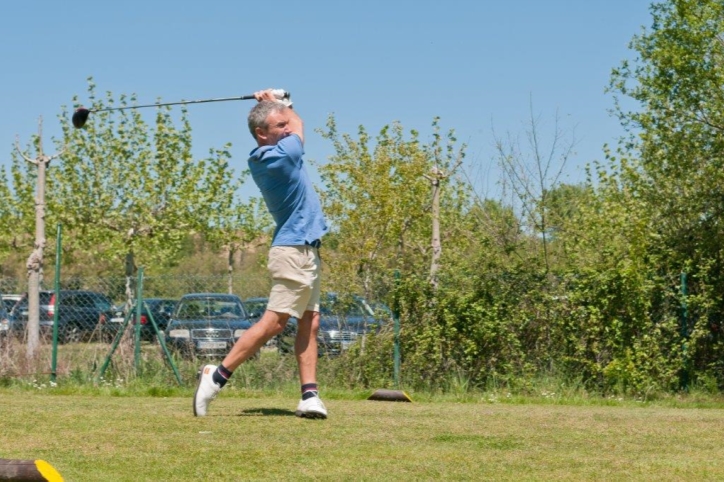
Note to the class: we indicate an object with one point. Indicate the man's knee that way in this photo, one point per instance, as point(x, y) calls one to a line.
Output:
point(310, 321)
point(274, 321)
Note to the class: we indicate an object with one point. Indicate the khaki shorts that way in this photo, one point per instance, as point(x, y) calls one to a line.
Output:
point(296, 273)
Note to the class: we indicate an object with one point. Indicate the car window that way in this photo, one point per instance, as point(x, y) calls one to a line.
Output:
point(340, 308)
point(256, 307)
point(381, 309)
point(209, 308)
point(100, 302)
point(161, 306)
point(44, 299)
point(69, 300)
point(188, 310)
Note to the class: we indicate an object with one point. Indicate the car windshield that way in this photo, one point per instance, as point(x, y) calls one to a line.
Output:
point(209, 308)
point(257, 307)
point(161, 305)
point(101, 303)
point(338, 307)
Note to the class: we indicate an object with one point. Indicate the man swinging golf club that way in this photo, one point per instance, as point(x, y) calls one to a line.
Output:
point(278, 170)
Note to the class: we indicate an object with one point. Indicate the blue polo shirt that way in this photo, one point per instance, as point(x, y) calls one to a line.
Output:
point(279, 173)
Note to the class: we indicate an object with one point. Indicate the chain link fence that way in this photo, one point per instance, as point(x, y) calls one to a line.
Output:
point(100, 332)
point(93, 330)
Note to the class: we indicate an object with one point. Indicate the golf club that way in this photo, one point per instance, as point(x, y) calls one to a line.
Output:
point(80, 116)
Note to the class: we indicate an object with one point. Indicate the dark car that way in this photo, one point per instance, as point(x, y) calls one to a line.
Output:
point(9, 300)
point(160, 309)
point(255, 307)
point(5, 321)
point(206, 324)
point(342, 322)
point(80, 313)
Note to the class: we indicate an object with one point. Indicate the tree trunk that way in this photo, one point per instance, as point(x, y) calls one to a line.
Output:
point(436, 244)
point(130, 272)
point(230, 270)
point(34, 264)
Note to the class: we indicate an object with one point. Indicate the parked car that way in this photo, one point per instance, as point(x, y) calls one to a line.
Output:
point(160, 309)
point(342, 322)
point(255, 307)
point(79, 313)
point(9, 301)
point(206, 324)
point(5, 320)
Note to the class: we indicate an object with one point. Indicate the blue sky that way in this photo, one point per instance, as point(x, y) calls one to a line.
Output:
point(477, 64)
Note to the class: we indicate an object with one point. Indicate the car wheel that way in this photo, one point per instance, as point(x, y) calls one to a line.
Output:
point(71, 334)
point(109, 336)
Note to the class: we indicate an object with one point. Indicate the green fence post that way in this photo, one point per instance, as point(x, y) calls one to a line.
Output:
point(137, 327)
point(166, 353)
point(54, 356)
point(114, 345)
point(396, 319)
point(684, 380)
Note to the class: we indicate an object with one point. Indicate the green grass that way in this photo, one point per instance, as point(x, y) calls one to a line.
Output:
point(255, 436)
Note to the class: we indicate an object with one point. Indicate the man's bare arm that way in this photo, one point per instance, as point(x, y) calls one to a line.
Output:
point(296, 125)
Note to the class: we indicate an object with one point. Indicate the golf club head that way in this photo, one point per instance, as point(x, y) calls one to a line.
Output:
point(80, 116)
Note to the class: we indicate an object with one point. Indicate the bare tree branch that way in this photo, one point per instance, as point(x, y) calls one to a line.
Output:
point(20, 151)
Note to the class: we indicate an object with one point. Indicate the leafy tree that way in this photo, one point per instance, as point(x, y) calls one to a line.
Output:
point(238, 227)
point(132, 193)
point(17, 205)
point(378, 201)
point(677, 140)
point(36, 259)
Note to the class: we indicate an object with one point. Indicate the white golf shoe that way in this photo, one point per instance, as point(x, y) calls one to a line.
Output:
point(206, 390)
point(311, 408)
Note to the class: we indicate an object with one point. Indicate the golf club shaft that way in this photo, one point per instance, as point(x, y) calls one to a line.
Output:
point(222, 99)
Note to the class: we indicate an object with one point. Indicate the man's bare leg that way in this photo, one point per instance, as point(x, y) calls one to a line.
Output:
point(212, 378)
point(305, 347)
point(271, 324)
point(306, 351)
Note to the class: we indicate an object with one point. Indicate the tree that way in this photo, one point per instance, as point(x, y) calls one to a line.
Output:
point(533, 171)
point(379, 203)
point(237, 227)
point(35, 260)
point(675, 152)
point(129, 192)
point(17, 203)
point(442, 169)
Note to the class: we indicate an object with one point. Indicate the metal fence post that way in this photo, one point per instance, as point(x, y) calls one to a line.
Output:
point(54, 356)
point(684, 330)
point(137, 327)
point(396, 319)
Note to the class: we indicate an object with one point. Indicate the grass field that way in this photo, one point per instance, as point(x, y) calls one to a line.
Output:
point(136, 438)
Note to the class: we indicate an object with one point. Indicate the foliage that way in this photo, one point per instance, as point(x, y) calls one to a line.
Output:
point(613, 285)
point(125, 191)
point(671, 167)
point(378, 202)
point(17, 206)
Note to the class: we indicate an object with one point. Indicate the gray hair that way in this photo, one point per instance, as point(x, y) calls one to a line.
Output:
point(260, 112)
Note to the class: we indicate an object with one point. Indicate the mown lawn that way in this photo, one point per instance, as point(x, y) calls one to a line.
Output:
point(105, 438)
